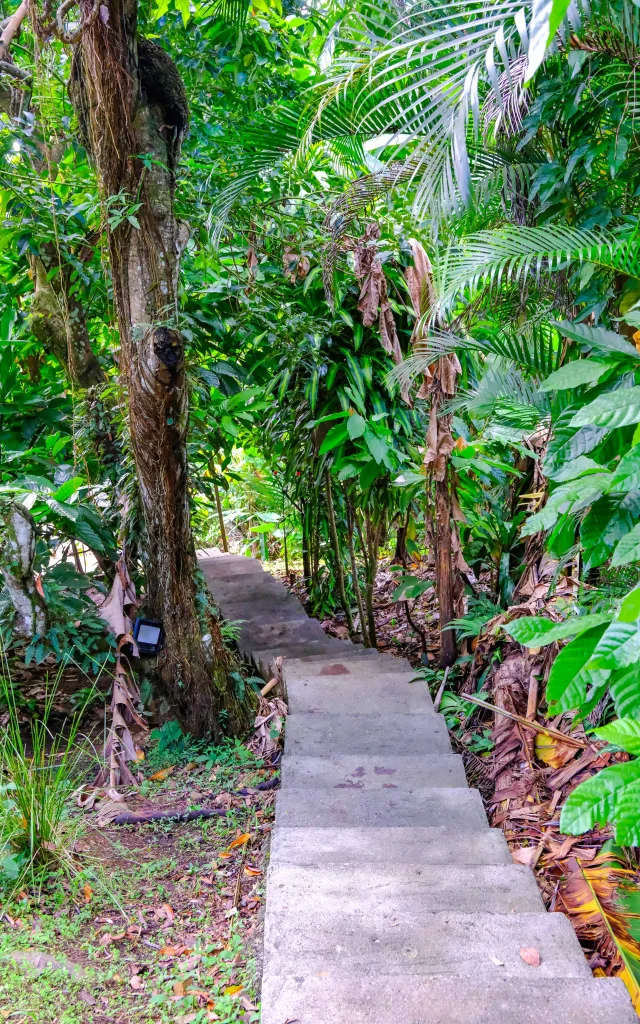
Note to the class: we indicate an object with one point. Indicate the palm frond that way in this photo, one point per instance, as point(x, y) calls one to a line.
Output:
point(421, 78)
point(233, 12)
point(512, 254)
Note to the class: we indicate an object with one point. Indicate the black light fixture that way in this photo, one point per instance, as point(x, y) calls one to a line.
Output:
point(148, 635)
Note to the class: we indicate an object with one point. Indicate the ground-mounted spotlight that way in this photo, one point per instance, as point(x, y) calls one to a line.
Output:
point(148, 635)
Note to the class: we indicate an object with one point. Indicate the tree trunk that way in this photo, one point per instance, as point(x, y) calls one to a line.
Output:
point(58, 321)
point(354, 573)
point(306, 559)
point(337, 554)
point(17, 552)
point(130, 100)
point(373, 533)
point(444, 572)
point(400, 554)
point(223, 532)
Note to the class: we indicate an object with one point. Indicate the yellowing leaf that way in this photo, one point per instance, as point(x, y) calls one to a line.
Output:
point(252, 871)
point(88, 893)
point(162, 774)
point(232, 990)
point(240, 840)
point(633, 988)
point(552, 751)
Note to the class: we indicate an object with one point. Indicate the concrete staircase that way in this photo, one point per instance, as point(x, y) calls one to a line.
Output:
point(389, 898)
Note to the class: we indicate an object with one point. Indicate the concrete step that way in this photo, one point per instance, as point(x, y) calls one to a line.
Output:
point(347, 998)
point(355, 686)
point(261, 596)
point(224, 566)
point(322, 734)
point(321, 666)
point(266, 610)
point(460, 810)
point(258, 635)
point(306, 940)
point(431, 844)
point(326, 648)
point(364, 771)
point(246, 584)
point(381, 896)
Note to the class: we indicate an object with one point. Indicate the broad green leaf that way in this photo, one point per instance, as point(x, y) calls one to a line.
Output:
point(535, 631)
point(567, 684)
point(184, 7)
point(615, 409)
point(410, 587)
point(618, 647)
point(570, 497)
point(66, 575)
point(598, 801)
point(627, 473)
point(567, 443)
point(625, 733)
point(608, 520)
point(582, 466)
point(85, 532)
point(335, 437)
point(68, 488)
point(630, 607)
point(627, 549)
point(598, 337)
point(572, 375)
point(625, 690)
point(63, 509)
point(356, 426)
point(376, 445)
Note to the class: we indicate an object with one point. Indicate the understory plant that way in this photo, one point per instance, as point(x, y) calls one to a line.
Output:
point(40, 763)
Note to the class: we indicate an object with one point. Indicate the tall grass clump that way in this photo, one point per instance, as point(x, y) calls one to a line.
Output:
point(38, 768)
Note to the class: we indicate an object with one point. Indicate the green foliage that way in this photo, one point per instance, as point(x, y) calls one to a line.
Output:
point(37, 774)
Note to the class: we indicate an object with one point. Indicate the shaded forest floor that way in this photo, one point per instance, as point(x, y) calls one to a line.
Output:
point(157, 922)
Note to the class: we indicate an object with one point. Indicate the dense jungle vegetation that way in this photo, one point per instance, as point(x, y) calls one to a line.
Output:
point(353, 288)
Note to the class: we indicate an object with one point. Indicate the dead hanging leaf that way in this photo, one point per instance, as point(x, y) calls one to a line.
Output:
point(552, 751)
point(240, 840)
point(162, 774)
point(296, 267)
point(530, 956)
